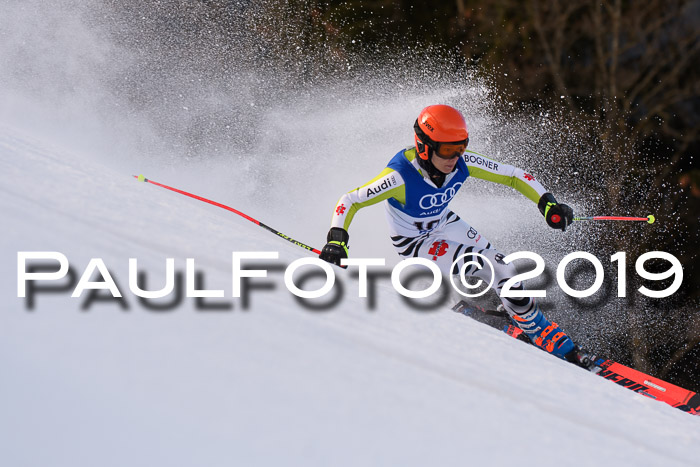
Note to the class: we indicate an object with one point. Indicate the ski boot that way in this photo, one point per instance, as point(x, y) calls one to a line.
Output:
point(548, 336)
point(580, 357)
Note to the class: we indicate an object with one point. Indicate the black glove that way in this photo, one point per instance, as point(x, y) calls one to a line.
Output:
point(337, 246)
point(558, 216)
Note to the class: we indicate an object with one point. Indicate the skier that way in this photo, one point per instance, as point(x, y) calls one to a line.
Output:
point(418, 184)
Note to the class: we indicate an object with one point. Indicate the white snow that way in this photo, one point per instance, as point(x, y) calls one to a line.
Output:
point(277, 384)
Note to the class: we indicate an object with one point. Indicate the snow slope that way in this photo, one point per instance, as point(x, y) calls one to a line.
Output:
point(276, 384)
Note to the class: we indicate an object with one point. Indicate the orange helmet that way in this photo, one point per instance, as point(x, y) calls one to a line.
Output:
point(442, 129)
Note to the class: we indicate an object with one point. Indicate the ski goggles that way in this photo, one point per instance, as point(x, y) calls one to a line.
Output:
point(451, 150)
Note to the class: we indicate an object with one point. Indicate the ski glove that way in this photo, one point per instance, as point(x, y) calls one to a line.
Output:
point(558, 216)
point(337, 246)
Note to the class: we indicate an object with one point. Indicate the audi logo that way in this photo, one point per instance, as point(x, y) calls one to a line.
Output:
point(439, 199)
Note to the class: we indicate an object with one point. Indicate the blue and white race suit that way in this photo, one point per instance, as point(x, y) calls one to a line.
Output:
point(422, 225)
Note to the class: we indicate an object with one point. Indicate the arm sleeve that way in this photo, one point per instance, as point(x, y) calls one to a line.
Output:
point(487, 169)
point(388, 184)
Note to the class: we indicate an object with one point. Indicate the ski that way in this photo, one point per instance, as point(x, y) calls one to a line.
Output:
point(634, 380)
point(647, 385)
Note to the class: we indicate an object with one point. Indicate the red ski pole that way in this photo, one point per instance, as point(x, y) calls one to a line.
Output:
point(141, 178)
point(650, 218)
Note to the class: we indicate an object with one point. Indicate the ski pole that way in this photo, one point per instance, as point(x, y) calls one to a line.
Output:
point(141, 178)
point(650, 218)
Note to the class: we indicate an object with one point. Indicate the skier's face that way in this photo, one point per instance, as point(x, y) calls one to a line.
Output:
point(445, 157)
point(444, 165)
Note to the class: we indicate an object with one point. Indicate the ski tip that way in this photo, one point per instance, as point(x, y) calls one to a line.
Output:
point(141, 178)
point(651, 218)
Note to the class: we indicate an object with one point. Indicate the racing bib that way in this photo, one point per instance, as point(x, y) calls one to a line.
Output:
point(422, 199)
